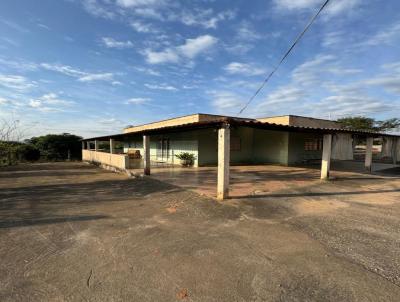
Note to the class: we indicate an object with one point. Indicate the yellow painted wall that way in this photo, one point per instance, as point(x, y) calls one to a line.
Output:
point(119, 161)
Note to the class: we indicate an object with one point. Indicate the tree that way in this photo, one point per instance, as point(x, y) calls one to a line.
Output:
point(58, 146)
point(369, 124)
point(389, 124)
point(10, 130)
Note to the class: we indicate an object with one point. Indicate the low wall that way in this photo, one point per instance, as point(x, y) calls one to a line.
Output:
point(120, 161)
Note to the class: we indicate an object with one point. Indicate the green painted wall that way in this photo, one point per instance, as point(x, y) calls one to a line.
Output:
point(179, 143)
point(257, 146)
point(208, 147)
point(270, 147)
point(297, 154)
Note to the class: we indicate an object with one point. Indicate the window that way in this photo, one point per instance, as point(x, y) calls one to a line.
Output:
point(235, 144)
point(313, 144)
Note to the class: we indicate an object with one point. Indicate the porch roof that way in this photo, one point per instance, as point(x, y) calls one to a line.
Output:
point(237, 122)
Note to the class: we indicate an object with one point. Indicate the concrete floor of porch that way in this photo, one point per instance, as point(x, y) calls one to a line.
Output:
point(261, 180)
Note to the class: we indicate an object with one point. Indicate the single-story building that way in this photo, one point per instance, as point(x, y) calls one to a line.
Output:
point(223, 140)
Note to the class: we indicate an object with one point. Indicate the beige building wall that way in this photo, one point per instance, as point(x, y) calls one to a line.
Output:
point(188, 119)
point(120, 161)
point(301, 121)
point(281, 120)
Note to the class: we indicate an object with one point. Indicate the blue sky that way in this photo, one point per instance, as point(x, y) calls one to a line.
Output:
point(92, 67)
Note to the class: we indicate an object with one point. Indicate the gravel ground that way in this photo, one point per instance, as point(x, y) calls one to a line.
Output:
point(74, 232)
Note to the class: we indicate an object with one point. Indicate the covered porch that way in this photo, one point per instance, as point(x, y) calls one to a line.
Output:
point(238, 180)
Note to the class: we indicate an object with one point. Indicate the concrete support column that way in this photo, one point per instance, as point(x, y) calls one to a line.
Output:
point(368, 154)
point(112, 146)
point(88, 145)
point(394, 150)
point(223, 162)
point(96, 145)
point(83, 145)
point(326, 156)
point(146, 155)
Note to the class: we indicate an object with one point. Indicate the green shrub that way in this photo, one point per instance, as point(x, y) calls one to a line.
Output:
point(27, 152)
point(186, 156)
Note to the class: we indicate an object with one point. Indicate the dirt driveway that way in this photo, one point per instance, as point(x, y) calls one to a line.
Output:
point(73, 232)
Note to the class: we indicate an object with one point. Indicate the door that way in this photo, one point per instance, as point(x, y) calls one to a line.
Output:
point(163, 150)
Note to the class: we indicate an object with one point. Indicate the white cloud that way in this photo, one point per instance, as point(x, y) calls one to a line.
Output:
point(225, 100)
point(394, 66)
point(148, 71)
point(53, 99)
point(278, 101)
point(191, 49)
point(387, 36)
point(296, 4)
point(35, 103)
point(342, 6)
point(137, 101)
point(96, 9)
point(49, 102)
point(111, 43)
point(332, 38)
point(157, 57)
point(339, 105)
point(79, 74)
point(97, 77)
point(4, 101)
point(161, 87)
point(244, 39)
point(44, 26)
point(310, 71)
point(243, 69)
point(239, 48)
point(149, 12)
point(16, 82)
point(19, 65)
point(333, 8)
point(136, 3)
point(143, 27)
point(284, 95)
point(116, 83)
point(247, 32)
point(389, 82)
point(64, 69)
point(205, 18)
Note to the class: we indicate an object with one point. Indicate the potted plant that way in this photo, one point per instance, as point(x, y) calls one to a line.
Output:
point(186, 158)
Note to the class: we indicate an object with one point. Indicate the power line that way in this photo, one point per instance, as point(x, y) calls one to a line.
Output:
point(284, 56)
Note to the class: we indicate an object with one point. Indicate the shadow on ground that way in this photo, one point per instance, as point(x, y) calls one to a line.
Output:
point(85, 234)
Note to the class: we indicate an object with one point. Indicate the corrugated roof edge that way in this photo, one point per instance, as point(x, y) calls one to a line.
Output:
point(248, 123)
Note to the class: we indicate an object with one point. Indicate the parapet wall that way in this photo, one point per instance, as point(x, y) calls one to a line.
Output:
point(119, 161)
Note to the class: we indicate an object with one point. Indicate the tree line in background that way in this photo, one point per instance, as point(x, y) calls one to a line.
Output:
point(369, 124)
point(50, 147)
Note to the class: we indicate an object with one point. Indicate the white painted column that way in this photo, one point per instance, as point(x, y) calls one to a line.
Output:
point(223, 162)
point(112, 146)
point(326, 156)
point(96, 145)
point(368, 154)
point(146, 155)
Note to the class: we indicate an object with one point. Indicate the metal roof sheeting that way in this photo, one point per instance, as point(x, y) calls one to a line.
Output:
point(240, 122)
